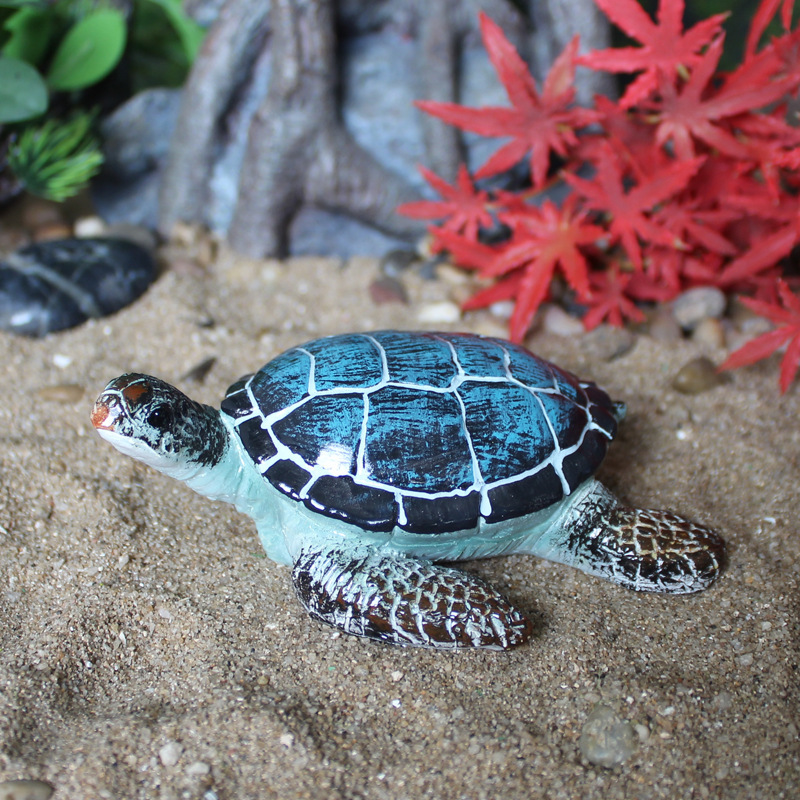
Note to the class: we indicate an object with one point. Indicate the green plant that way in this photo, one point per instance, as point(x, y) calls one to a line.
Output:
point(51, 52)
point(57, 158)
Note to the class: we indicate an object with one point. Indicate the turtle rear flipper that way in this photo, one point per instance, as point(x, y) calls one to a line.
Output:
point(657, 551)
point(400, 600)
point(643, 550)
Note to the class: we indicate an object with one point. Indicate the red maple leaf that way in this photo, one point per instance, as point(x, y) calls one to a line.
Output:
point(764, 14)
point(693, 224)
point(786, 316)
point(666, 49)
point(463, 206)
point(764, 254)
point(544, 238)
point(537, 123)
point(627, 210)
point(610, 299)
point(691, 114)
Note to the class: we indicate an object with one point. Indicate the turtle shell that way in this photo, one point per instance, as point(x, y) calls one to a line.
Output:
point(425, 431)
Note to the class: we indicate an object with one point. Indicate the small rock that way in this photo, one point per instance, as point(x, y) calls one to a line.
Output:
point(64, 393)
point(198, 768)
point(709, 332)
point(397, 261)
point(611, 343)
point(387, 290)
point(437, 313)
point(502, 309)
point(170, 753)
point(606, 739)
point(557, 321)
point(694, 305)
point(199, 372)
point(25, 790)
point(663, 327)
point(51, 286)
point(696, 376)
point(86, 227)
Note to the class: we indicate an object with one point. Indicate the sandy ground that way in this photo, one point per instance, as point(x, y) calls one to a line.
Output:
point(148, 649)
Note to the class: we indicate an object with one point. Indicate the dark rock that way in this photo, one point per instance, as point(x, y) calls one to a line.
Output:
point(50, 286)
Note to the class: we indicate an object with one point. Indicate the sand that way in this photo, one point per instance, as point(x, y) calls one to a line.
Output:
point(148, 649)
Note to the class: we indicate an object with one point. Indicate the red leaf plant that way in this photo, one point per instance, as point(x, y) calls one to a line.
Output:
point(691, 179)
point(786, 316)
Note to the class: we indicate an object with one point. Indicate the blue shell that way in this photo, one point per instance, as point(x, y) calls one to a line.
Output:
point(425, 431)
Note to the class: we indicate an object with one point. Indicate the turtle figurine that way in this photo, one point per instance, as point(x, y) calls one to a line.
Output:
point(368, 459)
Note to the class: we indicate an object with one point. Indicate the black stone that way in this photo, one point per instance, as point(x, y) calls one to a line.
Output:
point(59, 284)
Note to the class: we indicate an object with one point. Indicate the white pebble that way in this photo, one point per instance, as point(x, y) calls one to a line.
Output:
point(557, 321)
point(89, 226)
point(435, 313)
point(606, 739)
point(198, 768)
point(502, 309)
point(61, 361)
point(25, 790)
point(170, 753)
point(698, 304)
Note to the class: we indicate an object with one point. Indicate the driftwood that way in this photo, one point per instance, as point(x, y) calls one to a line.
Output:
point(298, 151)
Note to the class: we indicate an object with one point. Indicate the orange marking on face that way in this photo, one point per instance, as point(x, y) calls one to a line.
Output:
point(133, 393)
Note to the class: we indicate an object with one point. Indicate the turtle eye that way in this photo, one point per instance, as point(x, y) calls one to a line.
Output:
point(160, 418)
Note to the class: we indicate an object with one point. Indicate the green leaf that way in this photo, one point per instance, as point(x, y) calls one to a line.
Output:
point(31, 30)
point(23, 93)
point(190, 33)
point(42, 4)
point(89, 51)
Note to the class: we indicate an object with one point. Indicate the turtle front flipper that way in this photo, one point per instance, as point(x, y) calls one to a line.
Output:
point(643, 550)
point(405, 601)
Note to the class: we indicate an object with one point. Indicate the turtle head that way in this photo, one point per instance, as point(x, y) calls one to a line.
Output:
point(150, 420)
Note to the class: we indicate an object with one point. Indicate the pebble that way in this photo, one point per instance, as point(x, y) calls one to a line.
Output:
point(663, 327)
point(25, 790)
point(606, 739)
point(50, 286)
point(199, 372)
point(709, 332)
point(695, 305)
point(170, 753)
point(697, 376)
point(611, 343)
point(387, 290)
point(396, 262)
point(86, 227)
point(556, 320)
point(63, 393)
point(438, 313)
